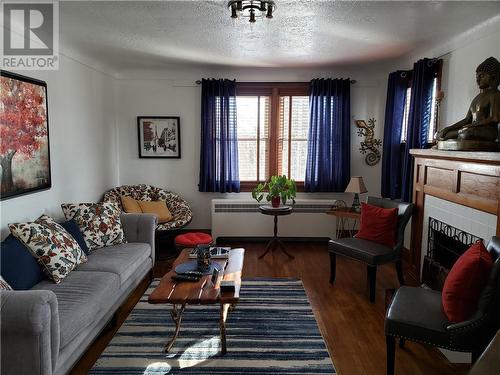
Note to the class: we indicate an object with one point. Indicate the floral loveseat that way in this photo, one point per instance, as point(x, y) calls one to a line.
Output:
point(178, 207)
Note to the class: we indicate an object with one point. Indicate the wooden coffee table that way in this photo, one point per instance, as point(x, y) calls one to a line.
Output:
point(180, 294)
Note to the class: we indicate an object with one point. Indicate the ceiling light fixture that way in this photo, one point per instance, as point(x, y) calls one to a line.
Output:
point(251, 9)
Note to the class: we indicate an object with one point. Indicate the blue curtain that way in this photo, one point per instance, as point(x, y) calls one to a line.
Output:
point(328, 166)
point(394, 109)
point(219, 141)
point(424, 72)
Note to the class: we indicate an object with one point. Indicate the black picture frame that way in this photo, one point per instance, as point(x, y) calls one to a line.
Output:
point(159, 137)
point(35, 175)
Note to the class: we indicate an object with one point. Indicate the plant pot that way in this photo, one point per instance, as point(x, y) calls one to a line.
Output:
point(275, 202)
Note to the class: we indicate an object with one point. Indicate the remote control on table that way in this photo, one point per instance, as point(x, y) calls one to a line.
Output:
point(185, 278)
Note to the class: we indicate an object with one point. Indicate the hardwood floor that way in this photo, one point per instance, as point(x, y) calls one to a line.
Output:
point(352, 327)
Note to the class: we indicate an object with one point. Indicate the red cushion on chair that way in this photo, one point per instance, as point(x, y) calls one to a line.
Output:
point(465, 282)
point(192, 239)
point(378, 224)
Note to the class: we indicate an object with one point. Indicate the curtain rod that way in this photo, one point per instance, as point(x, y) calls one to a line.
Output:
point(353, 81)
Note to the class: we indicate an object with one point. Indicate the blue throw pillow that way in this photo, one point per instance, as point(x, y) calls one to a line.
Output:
point(18, 267)
point(72, 228)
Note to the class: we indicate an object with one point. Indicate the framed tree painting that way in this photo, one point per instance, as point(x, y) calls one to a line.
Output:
point(24, 135)
point(159, 137)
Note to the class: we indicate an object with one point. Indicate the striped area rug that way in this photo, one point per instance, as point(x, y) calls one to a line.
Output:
point(271, 331)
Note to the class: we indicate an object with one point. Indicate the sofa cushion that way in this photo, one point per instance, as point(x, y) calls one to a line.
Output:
point(366, 251)
point(415, 313)
point(465, 282)
point(121, 260)
point(99, 223)
point(130, 205)
point(378, 224)
point(72, 228)
point(80, 298)
point(53, 247)
point(19, 268)
point(158, 208)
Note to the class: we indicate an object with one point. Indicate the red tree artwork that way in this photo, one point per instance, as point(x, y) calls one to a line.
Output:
point(23, 125)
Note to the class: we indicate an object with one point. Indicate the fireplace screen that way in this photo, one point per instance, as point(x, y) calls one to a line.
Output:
point(445, 244)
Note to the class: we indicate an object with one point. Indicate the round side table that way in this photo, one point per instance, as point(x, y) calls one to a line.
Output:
point(279, 211)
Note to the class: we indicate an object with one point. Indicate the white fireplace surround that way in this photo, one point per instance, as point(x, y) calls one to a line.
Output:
point(478, 223)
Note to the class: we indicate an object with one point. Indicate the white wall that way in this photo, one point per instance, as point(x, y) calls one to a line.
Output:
point(459, 79)
point(461, 56)
point(174, 92)
point(82, 139)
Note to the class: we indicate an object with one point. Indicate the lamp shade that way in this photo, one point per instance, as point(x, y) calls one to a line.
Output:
point(356, 185)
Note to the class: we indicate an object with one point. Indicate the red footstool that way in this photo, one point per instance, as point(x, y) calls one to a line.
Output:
point(192, 239)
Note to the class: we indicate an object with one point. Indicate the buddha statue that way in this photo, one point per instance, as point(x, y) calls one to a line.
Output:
point(480, 125)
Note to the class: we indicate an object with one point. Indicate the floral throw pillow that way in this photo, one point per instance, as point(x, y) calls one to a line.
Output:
point(53, 247)
point(4, 285)
point(99, 222)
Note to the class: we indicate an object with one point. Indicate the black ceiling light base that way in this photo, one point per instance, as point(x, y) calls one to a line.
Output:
point(252, 9)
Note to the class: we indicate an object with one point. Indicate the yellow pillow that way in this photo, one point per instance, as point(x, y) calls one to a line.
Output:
point(159, 208)
point(130, 205)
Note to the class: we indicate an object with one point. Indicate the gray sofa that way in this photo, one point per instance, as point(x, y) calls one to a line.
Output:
point(46, 330)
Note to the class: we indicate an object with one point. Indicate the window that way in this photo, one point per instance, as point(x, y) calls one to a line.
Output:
point(273, 123)
point(253, 117)
point(292, 139)
point(406, 115)
point(434, 108)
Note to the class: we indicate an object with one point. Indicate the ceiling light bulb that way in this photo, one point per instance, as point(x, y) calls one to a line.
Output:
point(252, 16)
point(269, 11)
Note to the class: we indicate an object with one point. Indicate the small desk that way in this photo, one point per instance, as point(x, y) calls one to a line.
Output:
point(279, 211)
point(346, 221)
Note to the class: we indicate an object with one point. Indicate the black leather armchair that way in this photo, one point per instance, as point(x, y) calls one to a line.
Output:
point(415, 314)
point(371, 253)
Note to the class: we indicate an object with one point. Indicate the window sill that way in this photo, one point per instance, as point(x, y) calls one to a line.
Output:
point(248, 186)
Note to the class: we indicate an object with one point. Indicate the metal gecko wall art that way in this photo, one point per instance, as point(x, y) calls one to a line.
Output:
point(370, 145)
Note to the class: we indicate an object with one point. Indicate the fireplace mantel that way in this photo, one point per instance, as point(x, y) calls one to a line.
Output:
point(471, 179)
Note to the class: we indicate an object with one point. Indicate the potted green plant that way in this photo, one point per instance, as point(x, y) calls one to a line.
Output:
point(279, 189)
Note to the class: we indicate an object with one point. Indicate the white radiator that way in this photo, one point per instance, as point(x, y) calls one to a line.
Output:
point(242, 218)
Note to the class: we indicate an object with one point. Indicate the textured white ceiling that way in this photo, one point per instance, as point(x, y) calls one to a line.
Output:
point(152, 34)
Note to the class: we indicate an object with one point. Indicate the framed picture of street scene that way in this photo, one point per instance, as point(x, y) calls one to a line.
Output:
point(159, 136)
point(24, 133)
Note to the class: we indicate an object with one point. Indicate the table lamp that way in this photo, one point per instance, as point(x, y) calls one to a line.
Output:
point(356, 186)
